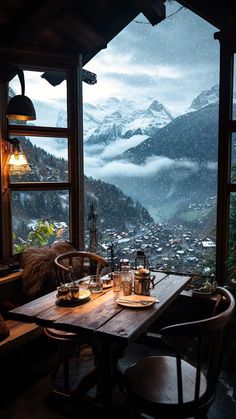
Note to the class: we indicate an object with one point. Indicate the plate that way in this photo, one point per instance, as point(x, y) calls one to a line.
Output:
point(84, 297)
point(136, 301)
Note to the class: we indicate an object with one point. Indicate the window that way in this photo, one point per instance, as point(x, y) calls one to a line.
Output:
point(231, 259)
point(40, 216)
point(151, 139)
point(39, 204)
point(50, 100)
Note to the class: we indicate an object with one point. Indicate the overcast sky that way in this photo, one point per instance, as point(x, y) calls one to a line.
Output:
point(173, 61)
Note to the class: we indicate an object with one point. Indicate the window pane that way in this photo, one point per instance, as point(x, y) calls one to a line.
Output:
point(50, 102)
point(232, 241)
point(34, 210)
point(233, 158)
point(151, 140)
point(48, 159)
point(234, 89)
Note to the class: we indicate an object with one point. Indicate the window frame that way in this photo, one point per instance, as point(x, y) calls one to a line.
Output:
point(72, 66)
point(226, 128)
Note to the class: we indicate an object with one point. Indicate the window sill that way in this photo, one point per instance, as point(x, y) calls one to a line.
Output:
point(14, 276)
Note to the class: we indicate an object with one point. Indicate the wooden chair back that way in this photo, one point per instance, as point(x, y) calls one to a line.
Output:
point(198, 348)
point(202, 342)
point(79, 264)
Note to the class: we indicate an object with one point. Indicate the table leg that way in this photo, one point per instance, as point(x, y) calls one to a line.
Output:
point(107, 355)
point(105, 382)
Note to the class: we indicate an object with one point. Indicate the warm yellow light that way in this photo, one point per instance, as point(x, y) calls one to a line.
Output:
point(17, 160)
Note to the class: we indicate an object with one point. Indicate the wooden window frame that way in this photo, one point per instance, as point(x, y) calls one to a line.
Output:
point(226, 128)
point(72, 66)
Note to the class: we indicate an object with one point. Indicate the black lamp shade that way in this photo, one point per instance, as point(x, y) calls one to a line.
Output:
point(21, 108)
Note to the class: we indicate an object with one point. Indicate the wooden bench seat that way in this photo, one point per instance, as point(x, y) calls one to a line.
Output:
point(20, 333)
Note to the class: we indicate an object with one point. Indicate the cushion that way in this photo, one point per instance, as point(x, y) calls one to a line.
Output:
point(39, 270)
point(62, 246)
point(39, 274)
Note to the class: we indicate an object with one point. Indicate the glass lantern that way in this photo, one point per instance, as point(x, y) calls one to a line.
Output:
point(140, 260)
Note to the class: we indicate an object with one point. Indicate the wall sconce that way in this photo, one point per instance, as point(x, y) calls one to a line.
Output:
point(20, 107)
point(17, 159)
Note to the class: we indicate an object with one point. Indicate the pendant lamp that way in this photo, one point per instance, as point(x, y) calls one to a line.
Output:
point(20, 107)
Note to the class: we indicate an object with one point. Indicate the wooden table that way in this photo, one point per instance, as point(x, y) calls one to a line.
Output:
point(103, 319)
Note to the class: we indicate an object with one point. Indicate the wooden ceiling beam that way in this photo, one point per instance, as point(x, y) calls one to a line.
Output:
point(153, 10)
point(214, 12)
point(81, 32)
point(42, 19)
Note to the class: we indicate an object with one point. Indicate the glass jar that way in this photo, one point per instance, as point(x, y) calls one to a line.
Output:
point(117, 279)
point(95, 284)
point(127, 282)
point(124, 264)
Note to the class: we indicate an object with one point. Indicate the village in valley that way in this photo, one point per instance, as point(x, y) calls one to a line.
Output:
point(170, 248)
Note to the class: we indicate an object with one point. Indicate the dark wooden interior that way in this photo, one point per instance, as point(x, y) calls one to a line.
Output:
point(64, 35)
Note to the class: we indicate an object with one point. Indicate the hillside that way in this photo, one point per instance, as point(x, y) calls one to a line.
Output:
point(114, 208)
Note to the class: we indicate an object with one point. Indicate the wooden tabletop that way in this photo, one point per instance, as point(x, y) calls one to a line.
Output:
point(101, 316)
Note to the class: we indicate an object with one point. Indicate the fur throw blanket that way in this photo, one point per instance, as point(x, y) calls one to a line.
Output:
point(39, 271)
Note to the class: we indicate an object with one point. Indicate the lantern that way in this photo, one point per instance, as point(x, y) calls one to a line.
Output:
point(140, 260)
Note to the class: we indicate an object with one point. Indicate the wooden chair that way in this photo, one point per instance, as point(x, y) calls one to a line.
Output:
point(182, 385)
point(83, 263)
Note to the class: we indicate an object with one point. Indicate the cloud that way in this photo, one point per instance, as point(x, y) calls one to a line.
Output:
point(121, 145)
point(52, 146)
point(211, 165)
point(98, 169)
point(39, 89)
point(172, 62)
point(126, 65)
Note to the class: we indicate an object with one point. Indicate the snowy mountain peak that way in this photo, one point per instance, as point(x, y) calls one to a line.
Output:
point(61, 119)
point(205, 98)
point(156, 106)
point(112, 101)
point(125, 118)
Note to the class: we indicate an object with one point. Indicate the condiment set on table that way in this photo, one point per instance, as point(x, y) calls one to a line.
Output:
point(132, 282)
point(139, 281)
point(70, 293)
